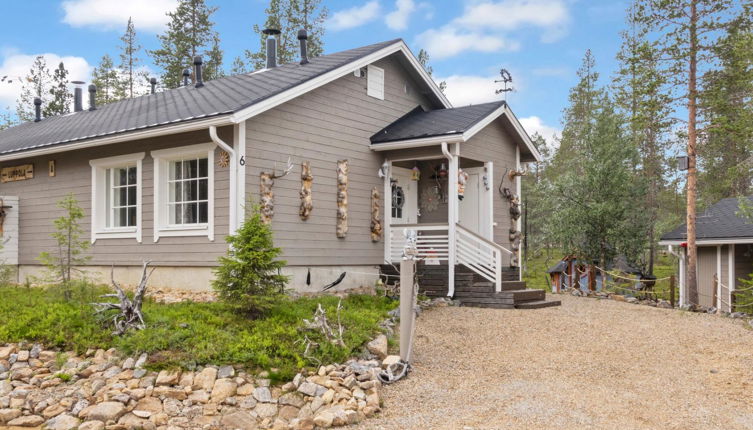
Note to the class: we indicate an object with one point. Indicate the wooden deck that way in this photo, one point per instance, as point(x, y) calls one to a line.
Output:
point(474, 290)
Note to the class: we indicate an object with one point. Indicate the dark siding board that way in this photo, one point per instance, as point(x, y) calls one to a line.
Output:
point(40, 194)
point(298, 129)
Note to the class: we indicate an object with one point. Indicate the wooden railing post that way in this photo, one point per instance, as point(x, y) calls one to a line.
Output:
point(672, 290)
point(713, 294)
point(498, 272)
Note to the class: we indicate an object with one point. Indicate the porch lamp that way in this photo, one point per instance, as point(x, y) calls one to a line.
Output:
point(415, 173)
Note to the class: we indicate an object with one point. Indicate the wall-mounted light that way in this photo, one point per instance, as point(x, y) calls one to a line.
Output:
point(415, 173)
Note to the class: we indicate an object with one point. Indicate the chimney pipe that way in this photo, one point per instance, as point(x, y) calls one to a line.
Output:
point(303, 37)
point(186, 76)
point(153, 83)
point(197, 62)
point(37, 109)
point(92, 97)
point(78, 96)
point(271, 46)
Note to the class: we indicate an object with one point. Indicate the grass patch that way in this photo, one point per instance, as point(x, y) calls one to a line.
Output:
point(183, 334)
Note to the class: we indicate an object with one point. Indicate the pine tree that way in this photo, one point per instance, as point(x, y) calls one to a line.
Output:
point(60, 96)
point(726, 105)
point(248, 277)
point(36, 84)
point(289, 16)
point(238, 67)
point(639, 88)
point(129, 62)
point(423, 59)
point(107, 79)
point(6, 119)
point(190, 32)
point(687, 30)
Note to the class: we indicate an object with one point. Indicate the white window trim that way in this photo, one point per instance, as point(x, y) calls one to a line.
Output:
point(161, 158)
point(99, 197)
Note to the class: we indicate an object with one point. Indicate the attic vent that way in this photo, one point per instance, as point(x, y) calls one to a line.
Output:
point(375, 82)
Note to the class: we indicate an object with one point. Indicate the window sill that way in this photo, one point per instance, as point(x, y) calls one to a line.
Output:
point(120, 233)
point(183, 230)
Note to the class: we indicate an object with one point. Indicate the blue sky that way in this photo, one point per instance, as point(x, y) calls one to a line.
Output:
point(540, 41)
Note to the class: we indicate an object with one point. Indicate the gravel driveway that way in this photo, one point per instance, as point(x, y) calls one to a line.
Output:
point(589, 364)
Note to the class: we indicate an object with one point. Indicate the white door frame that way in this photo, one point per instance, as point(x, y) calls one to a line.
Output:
point(410, 208)
point(485, 202)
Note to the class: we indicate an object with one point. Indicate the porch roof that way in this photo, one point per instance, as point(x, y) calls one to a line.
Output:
point(719, 224)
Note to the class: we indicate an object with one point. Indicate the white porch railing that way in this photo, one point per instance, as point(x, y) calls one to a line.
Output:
point(472, 250)
point(432, 241)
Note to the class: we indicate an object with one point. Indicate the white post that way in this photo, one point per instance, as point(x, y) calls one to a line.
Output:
point(718, 277)
point(518, 191)
point(387, 171)
point(683, 293)
point(407, 314)
point(452, 219)
point(731, 274)
point(240, 148)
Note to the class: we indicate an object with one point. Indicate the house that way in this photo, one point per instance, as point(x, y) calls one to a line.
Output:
point(166, 176)
point(724, 242)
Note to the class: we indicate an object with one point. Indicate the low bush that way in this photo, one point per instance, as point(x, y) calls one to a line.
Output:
point(188, 333)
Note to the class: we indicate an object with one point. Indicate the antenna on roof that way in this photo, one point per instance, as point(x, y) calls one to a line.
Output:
point(506, 80)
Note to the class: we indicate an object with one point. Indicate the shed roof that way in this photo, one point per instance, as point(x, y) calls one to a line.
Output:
point(719, 222)
point(218, 97)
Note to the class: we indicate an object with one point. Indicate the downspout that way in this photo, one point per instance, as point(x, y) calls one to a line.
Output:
point(450, 220)
point(233, 176)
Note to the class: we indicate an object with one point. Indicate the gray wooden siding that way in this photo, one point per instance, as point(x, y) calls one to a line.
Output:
point(743, 263)
point(495, 144)
point(328, 124)
point(38, 197)
point(706, 271)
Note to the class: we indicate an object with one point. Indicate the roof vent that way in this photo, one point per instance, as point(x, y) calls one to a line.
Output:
point(37, 109)
point(303, 37)
point(186, 76)
point(78, 96)
point(197, 62)
point(92, 97)
point(271, 46)
point(153, 83)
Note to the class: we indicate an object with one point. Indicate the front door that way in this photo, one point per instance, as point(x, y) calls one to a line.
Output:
point(404, 197)
point(474, 207)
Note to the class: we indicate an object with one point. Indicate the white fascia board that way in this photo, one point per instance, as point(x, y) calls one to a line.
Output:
point(522, 132)
point(335, 74)
point(709, 242)
point(417, 143)
point(125, 137)
point(504, 109)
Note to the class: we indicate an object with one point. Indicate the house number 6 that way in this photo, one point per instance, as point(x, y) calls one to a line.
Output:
point(242, 160)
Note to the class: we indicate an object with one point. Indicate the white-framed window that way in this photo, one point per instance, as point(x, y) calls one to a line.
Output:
point(116, 197)
point(375, 82)
point(184, 191)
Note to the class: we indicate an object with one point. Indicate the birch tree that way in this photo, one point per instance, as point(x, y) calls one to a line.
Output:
point(36, 84)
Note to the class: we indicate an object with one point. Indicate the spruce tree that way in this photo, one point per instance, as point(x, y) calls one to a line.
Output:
point(6, 119)
point(289, 16)
point(129, 62)
point(36, 84)
point(686, 32)
point(189, 33)
point(423, 59)
point(60, 96)
point(248, 277)
point(107, 79)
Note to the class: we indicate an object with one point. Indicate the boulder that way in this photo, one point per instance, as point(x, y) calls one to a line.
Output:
point(92, 425)
point(390, 360)
point(378, 346)
point(105, 411)
point(223, 388)
point(239, 420)
point(62, 422)
point(226, 372)
point(204, 380)
point(168, 377)
point(324, 419)
point(266, 410)
point(8, 415)
point(26, 421)
point(308, 388)
point(149, 405)
point(262, 394)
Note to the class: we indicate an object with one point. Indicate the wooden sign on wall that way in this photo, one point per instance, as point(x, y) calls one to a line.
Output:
point(17, 173)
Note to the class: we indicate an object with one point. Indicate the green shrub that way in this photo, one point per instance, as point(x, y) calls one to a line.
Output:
point(248, 277)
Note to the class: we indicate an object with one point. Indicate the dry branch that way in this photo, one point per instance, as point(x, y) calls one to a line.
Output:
point(129, 314)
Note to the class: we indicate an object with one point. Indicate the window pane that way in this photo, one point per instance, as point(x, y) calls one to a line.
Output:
point(122, 176)
point(203, 167)
point(132, 217)
point(193, 169)
point(132, 196)
point(175, 196)
point(189, 213)
point(120, 197)
point(175, 170)
point(189, 191)
point(203, 212)
point(203, 189)
point(175, 214)
point(131, 175)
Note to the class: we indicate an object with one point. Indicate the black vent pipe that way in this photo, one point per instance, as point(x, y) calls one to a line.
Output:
point(92, 97)
point(197, 62)
point(37, 109)
point(303, 37)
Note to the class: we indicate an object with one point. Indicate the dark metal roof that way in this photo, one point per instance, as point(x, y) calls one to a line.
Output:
point(218, 97)
point(720, 221)
point(441, 122)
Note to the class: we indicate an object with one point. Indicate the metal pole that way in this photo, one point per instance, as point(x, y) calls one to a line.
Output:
point(407, 314)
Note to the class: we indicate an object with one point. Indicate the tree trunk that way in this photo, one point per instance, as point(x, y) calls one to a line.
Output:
point(692, 282)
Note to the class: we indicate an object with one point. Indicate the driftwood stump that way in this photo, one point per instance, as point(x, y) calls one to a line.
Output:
point(307, 179)
point(129, 314)
point(342, 198)
point(267, 196)
point(376, 225)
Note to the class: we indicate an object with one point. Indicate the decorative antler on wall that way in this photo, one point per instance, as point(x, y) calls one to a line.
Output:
point(266, 181)
point(515, 235)
point(513, 173)
point(342, 198)
point(307, 203)
point(376, 225)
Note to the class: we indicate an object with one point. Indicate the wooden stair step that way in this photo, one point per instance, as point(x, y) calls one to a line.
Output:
point(538, 304)
point(523, 295)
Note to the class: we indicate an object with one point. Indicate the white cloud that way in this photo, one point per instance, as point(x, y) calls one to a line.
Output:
point(506, 15)
point(354, 16)
point(448, 41)
point(534, 124)
point(148, 15)
point(464, 90)
point(16, 67)
point(398, 19)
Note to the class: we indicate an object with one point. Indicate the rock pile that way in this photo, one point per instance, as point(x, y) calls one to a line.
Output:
point(101, 390)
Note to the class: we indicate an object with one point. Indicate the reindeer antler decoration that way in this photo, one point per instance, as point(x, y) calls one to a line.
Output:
point(266, 181)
